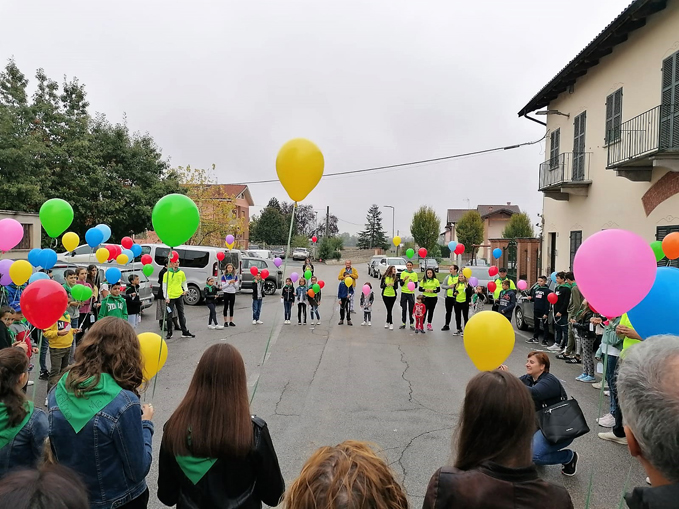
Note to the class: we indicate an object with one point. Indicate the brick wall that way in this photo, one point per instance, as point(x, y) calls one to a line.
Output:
point(663, 189)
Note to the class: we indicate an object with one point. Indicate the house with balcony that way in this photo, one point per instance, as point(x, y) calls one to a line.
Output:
point(612, 141)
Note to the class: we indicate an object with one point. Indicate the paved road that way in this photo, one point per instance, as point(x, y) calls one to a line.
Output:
point(320, 386)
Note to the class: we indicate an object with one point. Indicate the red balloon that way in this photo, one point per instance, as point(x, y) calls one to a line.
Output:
point(127, 242)
point(112, 253)
point(492, 271)
point(174, 257)
point(146, 259)
point(265, 274)
point(492, 286)
point(43, 302)
point(459, 249)
point(422, 252)
point(254, 271)
point(321, 284)
point(552, 298)
point(314, 238)
point(220, 256)
point(119, 250)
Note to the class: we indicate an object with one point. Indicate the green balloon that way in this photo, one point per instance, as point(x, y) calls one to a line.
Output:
point(81, 292)
point(410, 252)
point(316, 288)
point(308, 274)
point(175, 219)
point(147, 269)
point(657, 249)
point(56, 215)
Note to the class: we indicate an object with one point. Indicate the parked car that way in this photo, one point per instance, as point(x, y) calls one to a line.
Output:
point(372, 263)
point(525, 318)
point(300, 253)
point(261, 253)
point(279, 252)
point(384, 263)
point(481, 273)
point(429, 263)
point(271, 283)
point(81, 254)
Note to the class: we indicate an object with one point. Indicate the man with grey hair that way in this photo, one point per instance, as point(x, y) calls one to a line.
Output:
point(648, 391)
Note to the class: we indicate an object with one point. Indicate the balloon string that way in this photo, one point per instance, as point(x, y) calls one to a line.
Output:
point(275, 320)
point(35, 385)
point(162, 328)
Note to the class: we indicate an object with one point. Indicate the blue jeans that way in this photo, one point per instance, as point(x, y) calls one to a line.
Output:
point(545, 453)
point(44, 348)
point(612, 379)
point(287, 308)
point(314, 310)
point(256, 308)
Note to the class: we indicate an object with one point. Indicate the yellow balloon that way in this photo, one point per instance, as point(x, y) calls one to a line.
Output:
point(467, 272)
point(70, 240)
point(488, 339)
point(230, 246)
point(397, 241)
point(122, 259)
point(153, 353)
point(299, 166)
point(20, 271)
point(349, 281)
point(102, 254)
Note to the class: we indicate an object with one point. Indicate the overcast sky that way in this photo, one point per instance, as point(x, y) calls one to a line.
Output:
point(372, 82)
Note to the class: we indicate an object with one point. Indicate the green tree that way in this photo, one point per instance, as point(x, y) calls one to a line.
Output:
point(330, 248)
point(425, 228)
point(518, 226)
point(270, 227)
point(469, 231)
point(374, 235)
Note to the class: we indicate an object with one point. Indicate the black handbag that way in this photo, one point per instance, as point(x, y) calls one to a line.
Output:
point(562, 421)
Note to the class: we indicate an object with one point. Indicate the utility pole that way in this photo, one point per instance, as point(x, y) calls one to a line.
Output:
point(327, 221)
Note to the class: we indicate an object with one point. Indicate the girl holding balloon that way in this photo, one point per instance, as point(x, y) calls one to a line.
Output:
point(301, 294)
point(229, 281)
point(430, 286)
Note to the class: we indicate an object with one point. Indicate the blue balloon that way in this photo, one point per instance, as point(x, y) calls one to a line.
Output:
point(34, 257)
point(113, 275)
point(497, 253)
point(94, 237)
point(657, 313)
point(553, 276)
point(37, 276)
point(105, 231)
point(452, 245)
point(130, 255)
point(136, 250)
point(48, 259)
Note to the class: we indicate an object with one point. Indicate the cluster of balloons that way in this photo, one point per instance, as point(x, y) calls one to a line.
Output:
point(11, 233)
point(315, 288)
point(147, 267)
point(456, 247)
point(299, 166)
point(254, 271)
point(45, 258)
point(667, 248)
point(229, 241)
point(16, 272)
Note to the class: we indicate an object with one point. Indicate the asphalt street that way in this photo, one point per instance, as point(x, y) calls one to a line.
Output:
point(328, 383)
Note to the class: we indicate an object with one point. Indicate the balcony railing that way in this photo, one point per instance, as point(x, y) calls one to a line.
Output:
point(567, 169)
point(654, 131)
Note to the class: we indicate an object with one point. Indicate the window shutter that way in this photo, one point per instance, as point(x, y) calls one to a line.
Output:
point(670, 81)
point(613, 116)
point(579, 124)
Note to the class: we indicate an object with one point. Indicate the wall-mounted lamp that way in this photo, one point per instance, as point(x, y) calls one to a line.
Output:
point(552, 112)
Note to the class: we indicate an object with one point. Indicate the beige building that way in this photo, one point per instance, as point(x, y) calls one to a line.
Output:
point(612, 119)
point(32, 230)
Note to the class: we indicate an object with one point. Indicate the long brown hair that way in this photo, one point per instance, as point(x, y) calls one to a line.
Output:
point(348, 475)
point(390, 272)
point(13, 364)
point(110, 346)
point(213, 420)
point(497, 422)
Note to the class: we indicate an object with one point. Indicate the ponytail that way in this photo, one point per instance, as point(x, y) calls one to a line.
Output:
point(13, 364)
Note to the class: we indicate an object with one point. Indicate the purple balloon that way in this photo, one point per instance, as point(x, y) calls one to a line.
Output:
point(277, 262)
point(473, 281)
point(4, 272)
point(294, 276)
point(230, 239)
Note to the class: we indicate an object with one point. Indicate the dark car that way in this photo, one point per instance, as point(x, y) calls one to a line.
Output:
point(271, 283)
point(523, 313)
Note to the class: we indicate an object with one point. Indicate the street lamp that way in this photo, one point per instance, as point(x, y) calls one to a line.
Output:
point(393, 214)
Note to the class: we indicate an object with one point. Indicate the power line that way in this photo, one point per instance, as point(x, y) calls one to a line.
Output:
point(412, 163)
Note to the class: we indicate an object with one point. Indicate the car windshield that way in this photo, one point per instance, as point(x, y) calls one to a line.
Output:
point(396, 261)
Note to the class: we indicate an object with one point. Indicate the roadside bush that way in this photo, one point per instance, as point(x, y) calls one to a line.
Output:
point(330, 248)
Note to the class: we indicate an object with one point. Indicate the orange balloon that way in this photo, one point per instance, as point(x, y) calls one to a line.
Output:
point(670, 246)
point(311, 292)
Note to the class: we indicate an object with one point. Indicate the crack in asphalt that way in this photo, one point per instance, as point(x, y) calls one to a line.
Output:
point(275, 410)
point(403, 375)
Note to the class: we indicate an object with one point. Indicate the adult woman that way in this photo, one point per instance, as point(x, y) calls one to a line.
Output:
point(93, 280)
point(162, 309)
point(347, 475)
point(462, 293)
point(546, 390)
point(388, 285)
point(97, 425)
point(229, 283)
point(84, 320)
point(430, 286)
point(307, 265)
point(449, 286)
point(232, 464)
point(23, 428)
point(493, 467)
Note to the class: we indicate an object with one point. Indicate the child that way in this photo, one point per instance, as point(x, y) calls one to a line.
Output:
point(60, 336)
point(6, 319)
point(419, 311)
point(479, 299)
point(288, 297)
point(367, 305)
point(210, 295)
point(314, 302)
point(507, 300)
point(132, 300)
point(114, 304)
point(73, 309)
point(21, 335)
point(343, 292)
point(257, 296)
point(84, 322)
point(301, 294)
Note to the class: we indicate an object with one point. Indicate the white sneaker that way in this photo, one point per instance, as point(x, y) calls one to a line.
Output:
point(211, 327)
point(610, 436)
point(287, 322)
point(391, 326)
point(607, 393)
point(386, 325)
point(219, 327)
point(30, 382)
point(607, 421)
point(362, 323)
point(369, 324)
point(259, 322)
point(598, 386)
point(554, 348)
point(254, 322)
point(46, 402)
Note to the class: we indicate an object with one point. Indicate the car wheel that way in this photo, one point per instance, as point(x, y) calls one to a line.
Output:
point(270, 287)
point(192, 297)
point(520, 322)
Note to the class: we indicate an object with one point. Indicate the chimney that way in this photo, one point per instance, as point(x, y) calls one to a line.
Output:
point(509, 203)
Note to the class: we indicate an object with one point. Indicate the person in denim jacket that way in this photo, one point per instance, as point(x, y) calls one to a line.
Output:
point(96, 404)
point(23, 428)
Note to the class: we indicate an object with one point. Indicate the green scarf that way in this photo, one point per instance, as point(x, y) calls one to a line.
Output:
point(79, 411)
point(195, 468)
point(7, 434)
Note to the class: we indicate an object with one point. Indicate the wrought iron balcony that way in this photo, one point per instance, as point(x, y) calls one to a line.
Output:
point(568, 173)
point(643, 137)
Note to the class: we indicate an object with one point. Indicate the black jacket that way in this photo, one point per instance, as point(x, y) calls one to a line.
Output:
point(288, 293)
point(210, 293)
point(661, 497)
point(231, 483)
point(468, 293)
point(539, 295)
point(5, 336)
point(564, 294)
point(133, 303)
point(159, 289)
point(546, 391)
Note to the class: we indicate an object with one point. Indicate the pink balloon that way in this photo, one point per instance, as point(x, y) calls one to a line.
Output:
point(366, 290)
point(11, 233)
point(602, 259)
point(411, 286)
point(521, 285)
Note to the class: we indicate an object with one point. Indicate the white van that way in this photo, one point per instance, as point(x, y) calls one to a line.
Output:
point(197, 262)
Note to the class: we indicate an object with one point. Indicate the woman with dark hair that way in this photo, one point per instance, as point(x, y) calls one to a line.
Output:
point(97, 425)
point(493, 467)
point(229, 285)
point(214, 453)
point(389, 284)
point(307, 265)
point(50, 487)
point(431, 287)
point(462, 293)
point(23, 428)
